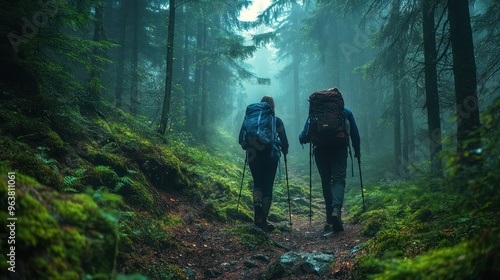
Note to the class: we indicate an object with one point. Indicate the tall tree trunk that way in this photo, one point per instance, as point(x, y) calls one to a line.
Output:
point(204, 91)
point(431, 89)
point(336, 59)
point(135, 60)
point(296, 91)
point(405, 108)
point(197, 78)
point(94, 87)
point(464, 72)
point(397, 125)
point(188, 98)
point(204, 102)
point(411, 131)
point(368, 102)
point(108, 15)
point(168, 79)
point(120, 65)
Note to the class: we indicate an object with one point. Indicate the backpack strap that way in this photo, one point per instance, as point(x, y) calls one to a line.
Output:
point(258, 121)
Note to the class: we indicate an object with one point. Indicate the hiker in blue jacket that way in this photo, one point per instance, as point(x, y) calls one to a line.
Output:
point(332, 165)
point(263, 162)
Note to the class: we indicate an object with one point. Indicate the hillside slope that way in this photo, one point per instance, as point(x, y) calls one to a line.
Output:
point(101, 196)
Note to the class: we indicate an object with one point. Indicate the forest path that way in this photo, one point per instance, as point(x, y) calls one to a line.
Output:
point(308, 237)
point(209, 250)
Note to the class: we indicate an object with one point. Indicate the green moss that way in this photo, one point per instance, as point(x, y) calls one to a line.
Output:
point(170, 221)
point(72, 212)
point(157, 162)
point(166, 271)
point(467, 260)
point(137, 194)
point(29, 161)
point(423, 215)
point(390, 243)
point(101, 175)
point(38, 225)
point(373, 221)
point(54, 141)
point(107, 156)
point(251, 236)
point(31, 130)
point(366, 266)
point(58, 236)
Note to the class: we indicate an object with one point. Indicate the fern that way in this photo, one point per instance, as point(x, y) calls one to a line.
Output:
point(123, 181)
point(103, 197)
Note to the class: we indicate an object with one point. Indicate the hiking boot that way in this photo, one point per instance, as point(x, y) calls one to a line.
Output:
point(257, 208)
point(266, 206)
point(337, 221)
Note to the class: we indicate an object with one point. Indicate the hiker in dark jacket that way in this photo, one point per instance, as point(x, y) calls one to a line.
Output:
point(263, 162)
point(332, 166)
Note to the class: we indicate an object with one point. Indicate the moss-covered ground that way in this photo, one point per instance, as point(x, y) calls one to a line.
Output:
point(103, 196)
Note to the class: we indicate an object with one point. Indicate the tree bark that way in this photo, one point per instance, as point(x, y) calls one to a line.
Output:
point(464, 71)
point(204, 91)
point(108, 15)
point(120, 65)
point(187, 98)
point(296, 91)
point(431, 89)
point(405, 108)
point(397, 125)
point(94, 86)
point(135, 61)
point(168, 79)
point(197, 78)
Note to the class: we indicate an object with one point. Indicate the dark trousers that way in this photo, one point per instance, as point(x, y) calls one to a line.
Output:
point(263, 168)
point(332, 166)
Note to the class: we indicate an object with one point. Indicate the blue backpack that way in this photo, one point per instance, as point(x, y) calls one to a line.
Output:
point(259, 127)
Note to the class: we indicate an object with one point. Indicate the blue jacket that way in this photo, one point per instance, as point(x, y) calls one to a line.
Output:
point(305, 137)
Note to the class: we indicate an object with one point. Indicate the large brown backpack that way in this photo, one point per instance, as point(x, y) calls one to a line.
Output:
point(328, 120)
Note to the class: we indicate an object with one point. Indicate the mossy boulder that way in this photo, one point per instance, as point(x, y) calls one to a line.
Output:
point(33, 162)
point(57, 236)
point(477, 259)
point(33, 131)
point(161, 167)
point(373, 222)
point(390, 243)
point(107, 155)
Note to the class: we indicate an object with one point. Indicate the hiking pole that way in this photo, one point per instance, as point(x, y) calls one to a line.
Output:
point(352, 162)
point(310, 183)
point(241, 187)
point(361, 180)
point(288, 191)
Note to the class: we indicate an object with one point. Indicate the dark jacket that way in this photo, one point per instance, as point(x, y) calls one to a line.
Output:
point(280, 129)
point(305, 136)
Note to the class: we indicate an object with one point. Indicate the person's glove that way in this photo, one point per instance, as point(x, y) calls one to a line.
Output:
point(285, 152)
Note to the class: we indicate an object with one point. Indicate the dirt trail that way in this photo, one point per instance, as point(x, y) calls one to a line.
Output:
point(211, 252)
point(305, 238)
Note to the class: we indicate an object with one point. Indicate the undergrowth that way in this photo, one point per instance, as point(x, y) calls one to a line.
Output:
point(420, 231)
